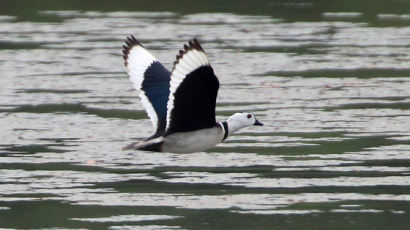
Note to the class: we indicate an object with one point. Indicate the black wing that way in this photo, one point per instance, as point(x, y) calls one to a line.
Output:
point(193, 91)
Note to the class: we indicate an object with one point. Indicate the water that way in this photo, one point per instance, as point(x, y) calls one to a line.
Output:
point(330, 83)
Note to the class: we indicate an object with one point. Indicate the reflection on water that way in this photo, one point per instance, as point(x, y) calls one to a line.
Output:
point(333, 94)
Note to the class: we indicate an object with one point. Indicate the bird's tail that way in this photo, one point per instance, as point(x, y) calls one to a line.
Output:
point(153, 145)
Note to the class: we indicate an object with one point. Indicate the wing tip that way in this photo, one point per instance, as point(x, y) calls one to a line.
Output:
point(130, 42)
point(192, 45)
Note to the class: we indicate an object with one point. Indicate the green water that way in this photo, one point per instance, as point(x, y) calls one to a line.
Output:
point(329, 79)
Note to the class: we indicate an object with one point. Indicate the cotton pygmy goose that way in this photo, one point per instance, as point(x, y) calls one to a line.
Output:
point(180, 103)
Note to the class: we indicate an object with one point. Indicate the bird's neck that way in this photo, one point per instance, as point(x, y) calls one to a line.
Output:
point(230, 127)
point(226, 129)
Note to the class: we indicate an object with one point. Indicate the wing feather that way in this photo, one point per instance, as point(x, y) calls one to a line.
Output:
point(193, 91)
point(150, 77)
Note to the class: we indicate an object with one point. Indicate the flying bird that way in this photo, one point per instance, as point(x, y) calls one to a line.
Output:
point(180, 103)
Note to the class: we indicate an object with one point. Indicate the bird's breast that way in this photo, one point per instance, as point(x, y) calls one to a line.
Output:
point(193, 141)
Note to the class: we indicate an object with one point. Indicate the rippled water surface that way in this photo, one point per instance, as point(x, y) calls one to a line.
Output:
point(331, 85)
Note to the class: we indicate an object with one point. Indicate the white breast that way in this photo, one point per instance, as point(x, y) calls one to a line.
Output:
point(194, 141)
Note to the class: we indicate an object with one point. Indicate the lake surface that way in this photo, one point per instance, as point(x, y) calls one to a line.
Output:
point(331, 83)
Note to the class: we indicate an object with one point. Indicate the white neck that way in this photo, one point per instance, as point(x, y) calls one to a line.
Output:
point(234, 125)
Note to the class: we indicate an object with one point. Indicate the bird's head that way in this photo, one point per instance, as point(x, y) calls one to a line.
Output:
point(242, 120)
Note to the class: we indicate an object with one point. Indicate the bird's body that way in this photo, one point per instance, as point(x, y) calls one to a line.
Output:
point(183, 142)
point(180, 103)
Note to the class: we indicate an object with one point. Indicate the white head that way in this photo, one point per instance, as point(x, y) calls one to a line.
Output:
point(241, 120)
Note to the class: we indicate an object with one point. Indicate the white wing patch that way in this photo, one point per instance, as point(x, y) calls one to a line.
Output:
point(150, 110)
point(137, 60)
point(188, 60)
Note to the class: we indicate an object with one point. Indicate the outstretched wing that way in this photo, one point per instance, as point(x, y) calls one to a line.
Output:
point(152, 79)
point(193, 91)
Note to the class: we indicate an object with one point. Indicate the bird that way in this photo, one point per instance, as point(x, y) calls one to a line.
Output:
point(181, 103)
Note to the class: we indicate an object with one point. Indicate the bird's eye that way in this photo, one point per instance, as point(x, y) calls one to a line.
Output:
point(249, 115)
